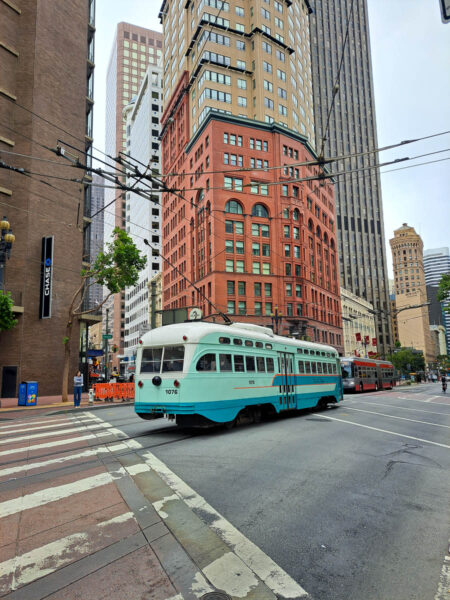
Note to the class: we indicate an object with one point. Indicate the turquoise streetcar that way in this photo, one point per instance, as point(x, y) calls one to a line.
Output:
point(203, 374)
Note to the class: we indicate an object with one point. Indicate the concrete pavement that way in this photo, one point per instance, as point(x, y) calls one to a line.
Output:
point(82, 515)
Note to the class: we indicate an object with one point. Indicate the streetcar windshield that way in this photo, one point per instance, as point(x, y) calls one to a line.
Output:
point(346, 369)
point(173, 358)
point(151, 360)
point(170, 358)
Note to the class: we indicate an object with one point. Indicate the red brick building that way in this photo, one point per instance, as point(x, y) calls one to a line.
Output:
point(244, 228)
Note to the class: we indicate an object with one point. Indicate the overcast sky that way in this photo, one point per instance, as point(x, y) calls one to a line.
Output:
point(410, 59)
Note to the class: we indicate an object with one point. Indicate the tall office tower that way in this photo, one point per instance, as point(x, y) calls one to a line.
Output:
point(255, 237)
point(134, 49)
point(351, 129)
point(46, 95)
point(410, 291)
point(96, 232)
point(143, 215)
point(436, 263)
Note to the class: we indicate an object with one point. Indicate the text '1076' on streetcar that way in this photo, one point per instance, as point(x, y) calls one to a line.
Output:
point(204, 374)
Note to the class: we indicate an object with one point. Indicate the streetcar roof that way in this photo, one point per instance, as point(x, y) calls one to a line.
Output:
point(196, 331)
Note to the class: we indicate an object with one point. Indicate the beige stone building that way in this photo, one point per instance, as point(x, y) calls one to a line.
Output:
point(257, 58)
point(410, 291)
point(358, 316)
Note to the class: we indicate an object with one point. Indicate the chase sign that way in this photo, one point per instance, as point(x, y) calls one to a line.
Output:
point(45, 308)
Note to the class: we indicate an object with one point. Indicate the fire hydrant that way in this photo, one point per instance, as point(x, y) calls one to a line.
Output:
point(91, 396)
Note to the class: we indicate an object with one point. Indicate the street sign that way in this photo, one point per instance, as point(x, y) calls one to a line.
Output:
point(107, 336)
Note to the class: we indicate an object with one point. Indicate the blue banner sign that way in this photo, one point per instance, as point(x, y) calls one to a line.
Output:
point(45, 308)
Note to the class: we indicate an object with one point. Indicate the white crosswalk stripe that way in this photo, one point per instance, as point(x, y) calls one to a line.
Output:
point(80, 438)
point(42, 427)
point(15, 505)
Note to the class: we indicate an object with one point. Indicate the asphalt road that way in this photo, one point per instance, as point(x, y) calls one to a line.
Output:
point(351, 502)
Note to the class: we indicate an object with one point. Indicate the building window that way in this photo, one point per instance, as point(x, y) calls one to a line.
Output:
point(230, 288)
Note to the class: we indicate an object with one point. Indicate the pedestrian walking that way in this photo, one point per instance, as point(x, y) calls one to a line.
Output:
point(77, 389)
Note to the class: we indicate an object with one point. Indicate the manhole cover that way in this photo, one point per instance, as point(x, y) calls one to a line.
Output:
point(217, 595)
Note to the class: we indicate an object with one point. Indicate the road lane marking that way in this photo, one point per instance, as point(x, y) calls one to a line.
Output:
point(53, 494)
point(409, 437)
point(422, 401)
point(46, 559)
point(53, 461)
point(80, 438)
point(373, 412)
point(274, 577)
point(430, 412)
point(444, 579)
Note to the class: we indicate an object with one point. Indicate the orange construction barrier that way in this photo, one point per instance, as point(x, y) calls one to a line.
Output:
point(122, 391)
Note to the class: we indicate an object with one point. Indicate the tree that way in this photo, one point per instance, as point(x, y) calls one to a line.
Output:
point(407, 361)
point(443, 294)
point(115, 268)
point(7, 320)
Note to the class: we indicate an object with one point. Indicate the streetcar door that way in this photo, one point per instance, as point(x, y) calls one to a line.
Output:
point(286, 387)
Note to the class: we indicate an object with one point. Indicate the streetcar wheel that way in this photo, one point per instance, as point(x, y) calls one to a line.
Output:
point(230, 424)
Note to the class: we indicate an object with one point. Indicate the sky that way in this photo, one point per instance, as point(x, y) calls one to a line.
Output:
point(410, 61)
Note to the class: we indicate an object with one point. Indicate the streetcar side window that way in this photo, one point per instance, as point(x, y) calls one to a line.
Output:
point(225, 362)
point(270, 365)
point(268, 346)
point(313, 367)
point(260, 365)
point(237, 342)
point(207, 363)
point(173, 358)
point(307, 366)
point(238, 363)
point(151, 360)
point(319, 367)
point(334, 369)
point(250, 363)
point(259, 344)
point(224, 340)
point(301, 366)
point(248, 343)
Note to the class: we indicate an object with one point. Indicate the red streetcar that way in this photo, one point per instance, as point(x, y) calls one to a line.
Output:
point(364, 374)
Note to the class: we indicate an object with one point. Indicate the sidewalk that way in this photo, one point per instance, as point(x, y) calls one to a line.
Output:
point(10, 404)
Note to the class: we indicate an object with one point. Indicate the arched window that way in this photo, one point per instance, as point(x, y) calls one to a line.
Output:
point(233, 206)
point(200, 195)
point(325, 238)
point(332, 244)
point(310, 225)
point(296, 214)
point(318, 232)
point(259, 210)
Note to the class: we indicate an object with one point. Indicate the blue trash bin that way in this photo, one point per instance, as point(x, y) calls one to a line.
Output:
point(28, 393)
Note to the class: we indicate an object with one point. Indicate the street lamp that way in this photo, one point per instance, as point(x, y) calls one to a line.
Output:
point(6, 241)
